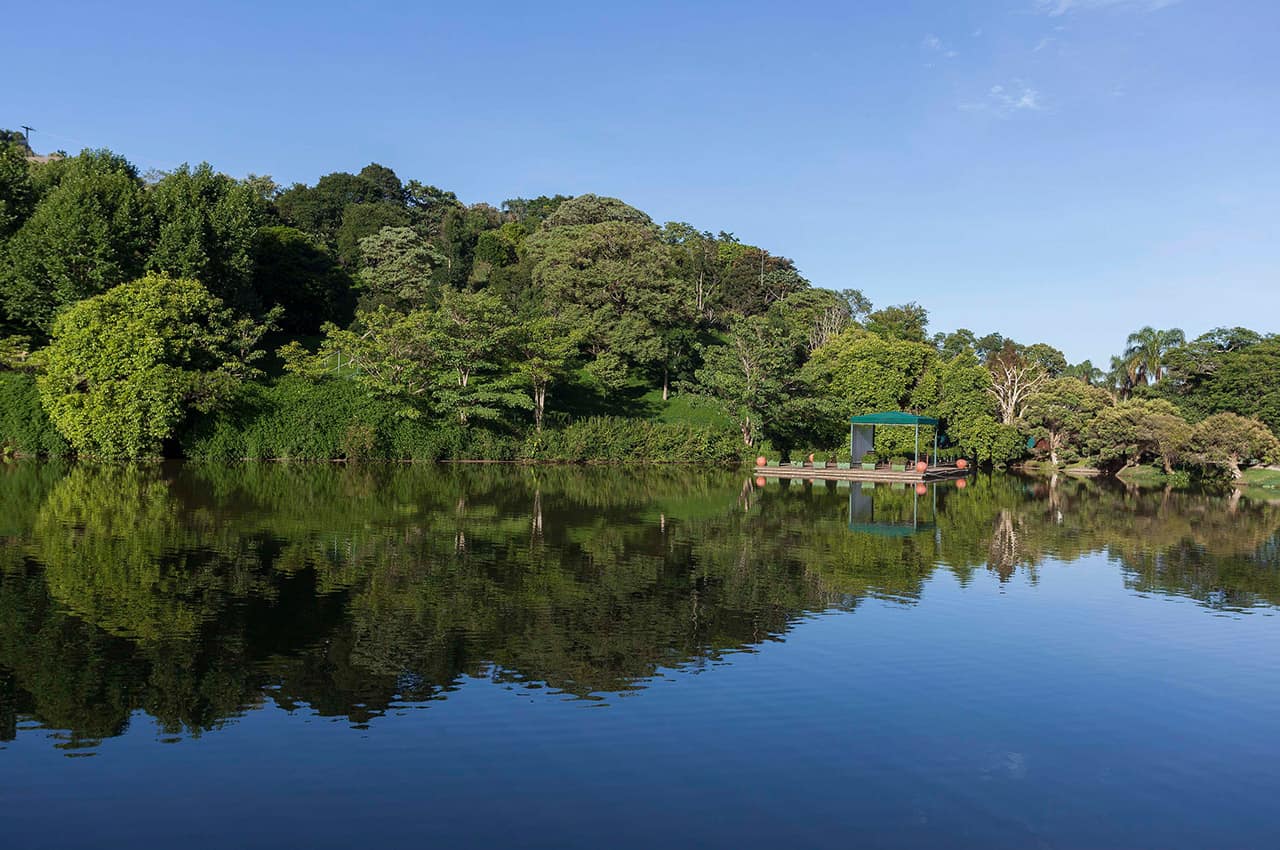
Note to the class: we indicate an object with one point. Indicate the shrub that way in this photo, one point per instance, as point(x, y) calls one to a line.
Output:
point(25, 429)
point(612, 438)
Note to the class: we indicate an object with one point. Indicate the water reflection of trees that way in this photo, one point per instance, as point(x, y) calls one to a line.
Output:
point(192, 594)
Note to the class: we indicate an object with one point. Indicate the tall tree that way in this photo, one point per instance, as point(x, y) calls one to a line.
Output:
point(1146, 351)
point(472, 337)
point(612, 280)
point(1015, 378)
point(17, 194)
point(207, 224)
point(905, 321)
point(396, 266)
point(91, 232)
point(544, 348)
point(751, 373)
point(1060, 413)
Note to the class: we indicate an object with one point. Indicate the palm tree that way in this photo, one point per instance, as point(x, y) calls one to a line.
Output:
point(1144, 355)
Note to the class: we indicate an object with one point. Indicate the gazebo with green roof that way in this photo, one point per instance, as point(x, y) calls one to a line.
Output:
point(862, 430)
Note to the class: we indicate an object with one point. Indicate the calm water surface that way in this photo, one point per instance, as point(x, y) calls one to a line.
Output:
point(275, 656)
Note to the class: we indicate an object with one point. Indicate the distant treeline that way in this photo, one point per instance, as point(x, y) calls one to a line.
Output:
point(188, 313)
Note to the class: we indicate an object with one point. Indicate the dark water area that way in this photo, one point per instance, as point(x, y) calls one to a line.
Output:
point(484, 656)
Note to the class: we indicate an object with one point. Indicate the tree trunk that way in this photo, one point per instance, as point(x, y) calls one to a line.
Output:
point(1233, 464)
point(666, 386)
point(539, 405)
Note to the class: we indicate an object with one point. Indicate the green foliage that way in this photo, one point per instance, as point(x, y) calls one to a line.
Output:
point(125, 367)
point(294, 271)
point(360, 221)
point(91, 232)
point(907, 322)
point(473, 337)
point(207, 228)
point(1060, 412)
point(300, 419)
point(611, 280)
point(867, 373)
point(594, 209)
point(616, 439)
point(751, 374)
point(396, 265)
point(17, 194)
point(1122, 435)
point(25, 429)
point(1229, 370)
point(1227, 441)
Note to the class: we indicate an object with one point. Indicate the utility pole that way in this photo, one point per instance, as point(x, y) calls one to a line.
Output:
point(26, 133)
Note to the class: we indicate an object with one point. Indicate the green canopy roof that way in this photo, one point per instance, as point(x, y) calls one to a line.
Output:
point(891, 417)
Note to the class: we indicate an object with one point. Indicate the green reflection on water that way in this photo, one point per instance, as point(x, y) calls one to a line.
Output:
point(195, 593)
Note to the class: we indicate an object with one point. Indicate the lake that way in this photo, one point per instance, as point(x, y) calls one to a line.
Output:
point(493, 656)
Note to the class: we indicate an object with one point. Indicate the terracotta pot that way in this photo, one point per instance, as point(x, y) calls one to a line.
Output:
point(762, 461)
point(961, 484)
point(962, 464)
point(922, 489)
point(922, 465)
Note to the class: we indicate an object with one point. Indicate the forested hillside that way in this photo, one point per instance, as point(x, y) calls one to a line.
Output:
point(190, 313)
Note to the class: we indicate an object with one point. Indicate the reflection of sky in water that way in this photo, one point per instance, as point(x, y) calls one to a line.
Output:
point(1071, 675)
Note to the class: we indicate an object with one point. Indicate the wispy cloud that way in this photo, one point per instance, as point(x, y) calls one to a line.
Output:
point(933, 44)
point(1063, 7)
point(1007, 100)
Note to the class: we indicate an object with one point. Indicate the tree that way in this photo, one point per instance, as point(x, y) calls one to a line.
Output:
point(471, 336)
point(91, 232)
point(905, 321)
point(298, 273)
point(750, 373)
point(867, 373)
point(124, 368)
point(1146, 351)
point(17, 194)
point(396, 268)
point(544, 347)
point(1060, 413)
point(362, 220)
point(319, 210)
point(391, 354)
point(1122, 435)
point(611, 280)
point(1228, 441)
point(1014, 379)
point(207, 224)
point(594, 209)
point(959, 343)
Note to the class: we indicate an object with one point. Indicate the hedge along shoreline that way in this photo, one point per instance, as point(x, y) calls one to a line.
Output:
point(25, 429)
point(295, 419)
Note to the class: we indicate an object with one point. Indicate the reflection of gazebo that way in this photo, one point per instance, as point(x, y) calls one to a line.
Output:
point(862, 431)
point(862, 513)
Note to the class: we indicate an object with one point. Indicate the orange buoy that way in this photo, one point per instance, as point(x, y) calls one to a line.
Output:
point(961, 484)
point(922, 465)
point(962, 464)
point(760, 480)
point(762, 461)
point(921, 489)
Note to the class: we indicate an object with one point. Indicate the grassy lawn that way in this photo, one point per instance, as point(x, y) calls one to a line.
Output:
point(1143, 476)
point(687, 409)
point(1262, 477)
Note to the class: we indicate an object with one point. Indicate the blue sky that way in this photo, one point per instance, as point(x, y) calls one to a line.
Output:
point(1059, 170)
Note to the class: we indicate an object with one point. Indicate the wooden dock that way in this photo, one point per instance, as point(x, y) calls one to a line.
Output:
point(821, 473)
